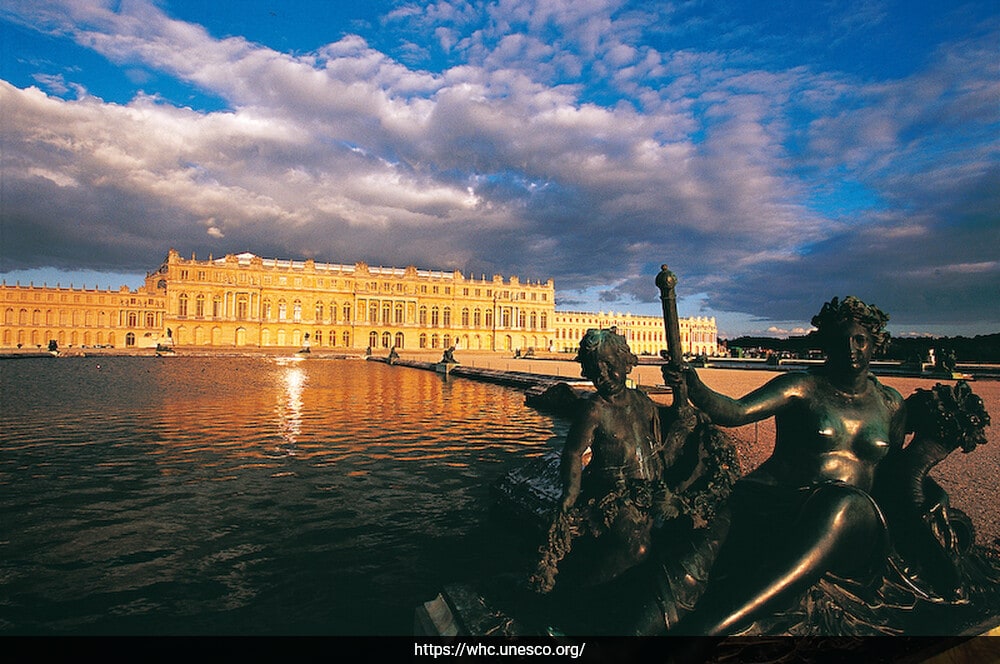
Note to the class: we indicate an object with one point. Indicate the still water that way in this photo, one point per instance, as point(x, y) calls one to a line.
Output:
point(246, 495)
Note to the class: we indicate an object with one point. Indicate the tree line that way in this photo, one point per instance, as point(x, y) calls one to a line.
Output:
point(984, 348)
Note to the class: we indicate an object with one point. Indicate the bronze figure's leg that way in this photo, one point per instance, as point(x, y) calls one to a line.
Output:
point(838, 530)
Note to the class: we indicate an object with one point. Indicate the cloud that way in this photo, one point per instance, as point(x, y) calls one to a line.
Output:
point(545, 139)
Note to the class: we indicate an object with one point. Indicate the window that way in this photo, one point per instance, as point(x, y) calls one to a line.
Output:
point(297, 311)
point(182, 305)
point(199, 306)
point(447, 317)
point(345, 339)
point(217, 306)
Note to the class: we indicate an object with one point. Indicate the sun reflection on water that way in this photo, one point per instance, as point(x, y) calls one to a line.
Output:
point(289, 407)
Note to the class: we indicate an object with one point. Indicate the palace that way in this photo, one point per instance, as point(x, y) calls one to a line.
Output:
point(244, 300)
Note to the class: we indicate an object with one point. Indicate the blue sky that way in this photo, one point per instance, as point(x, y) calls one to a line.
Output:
point(773, 154)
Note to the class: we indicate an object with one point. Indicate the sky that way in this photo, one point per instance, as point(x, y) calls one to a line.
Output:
point(773, 154)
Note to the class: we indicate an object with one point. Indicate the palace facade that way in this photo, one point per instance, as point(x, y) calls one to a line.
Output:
point(243, 300)
point(646, 335)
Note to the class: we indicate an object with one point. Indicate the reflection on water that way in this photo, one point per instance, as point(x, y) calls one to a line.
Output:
point(244, 495)
point(290, 403)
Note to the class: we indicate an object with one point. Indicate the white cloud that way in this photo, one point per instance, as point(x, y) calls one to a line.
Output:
point(510, 157)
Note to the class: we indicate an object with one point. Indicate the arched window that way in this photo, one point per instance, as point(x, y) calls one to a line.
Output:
point(386, 311)
point(217, 306)
point(423, 341)
point(465, 317)
point(533, 320)
point(477, 318)
point(398, 320)
point(297, 311)
point(150, 320)
point(373, 339)
point(398, 343)
point(199, 306)
point(434, 341)
point(266, 310)
point(373, 312)
point(318, 337)
point(423, 317)
point(182, 305)
point(386, 339)
point(319, 313)
point(345, 339)
point(347, 316)
point(435, 318)
point(447, 317)
point(282, 310)
point(488, 315)
point(545, 321)
point(130, 339)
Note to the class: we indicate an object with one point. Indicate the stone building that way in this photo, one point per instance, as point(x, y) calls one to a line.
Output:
point(246, 300)
point(32, 316)
point(243, 300)
point(646, 335)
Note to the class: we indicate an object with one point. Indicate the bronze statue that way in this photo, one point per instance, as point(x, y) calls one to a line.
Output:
point(611, 471)
point(807, 510)
point(448, 357)
point(840, 531)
